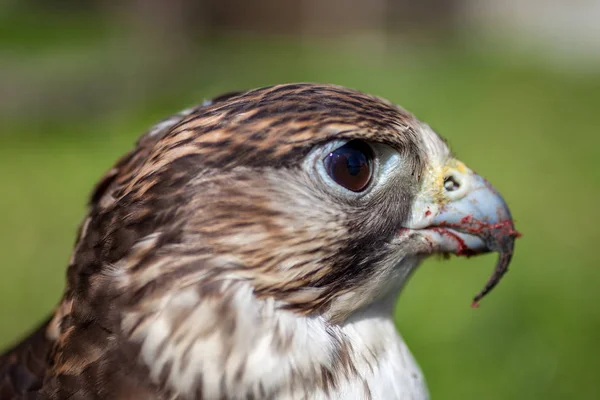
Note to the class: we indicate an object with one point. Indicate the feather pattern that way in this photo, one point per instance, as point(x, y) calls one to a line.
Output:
point(214, 263)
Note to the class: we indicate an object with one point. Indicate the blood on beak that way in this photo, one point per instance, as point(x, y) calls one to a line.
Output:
point(472, 218)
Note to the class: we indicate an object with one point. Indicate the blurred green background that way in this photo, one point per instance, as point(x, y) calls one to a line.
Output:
point(517, 100)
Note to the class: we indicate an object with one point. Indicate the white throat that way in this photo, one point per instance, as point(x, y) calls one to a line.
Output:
point(383, 359)
point(257, 349)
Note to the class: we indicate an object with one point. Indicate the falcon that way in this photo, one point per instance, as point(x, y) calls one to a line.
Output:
point(253, 247)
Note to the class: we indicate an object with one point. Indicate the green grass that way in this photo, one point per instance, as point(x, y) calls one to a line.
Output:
point(533, 133)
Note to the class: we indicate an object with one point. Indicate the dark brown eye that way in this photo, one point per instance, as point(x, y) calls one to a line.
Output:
point(351, 165)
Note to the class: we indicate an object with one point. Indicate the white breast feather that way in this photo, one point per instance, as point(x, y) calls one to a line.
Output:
point(268, 350)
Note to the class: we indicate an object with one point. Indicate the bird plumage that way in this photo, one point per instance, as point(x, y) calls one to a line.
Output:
point(218, 261)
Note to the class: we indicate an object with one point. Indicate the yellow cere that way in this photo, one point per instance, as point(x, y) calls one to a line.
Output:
point(440, 175)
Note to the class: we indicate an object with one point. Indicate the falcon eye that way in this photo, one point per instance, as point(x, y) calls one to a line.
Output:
point(351, 165)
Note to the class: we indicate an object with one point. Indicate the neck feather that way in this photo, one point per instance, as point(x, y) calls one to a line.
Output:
point(236, 345)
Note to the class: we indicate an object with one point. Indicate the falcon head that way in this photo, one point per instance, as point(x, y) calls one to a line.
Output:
point(320, 197)
point(302, 201)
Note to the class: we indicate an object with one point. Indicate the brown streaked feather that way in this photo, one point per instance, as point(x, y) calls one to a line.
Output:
point(23, 367)
point(166, 213)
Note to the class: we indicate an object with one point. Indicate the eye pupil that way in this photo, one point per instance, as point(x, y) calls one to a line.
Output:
point(354, 165)
point(350, 165)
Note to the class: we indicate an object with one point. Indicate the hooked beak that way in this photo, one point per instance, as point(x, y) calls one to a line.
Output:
point(460, 212)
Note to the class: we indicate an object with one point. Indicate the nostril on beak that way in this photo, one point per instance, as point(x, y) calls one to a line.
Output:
point(451, 183)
